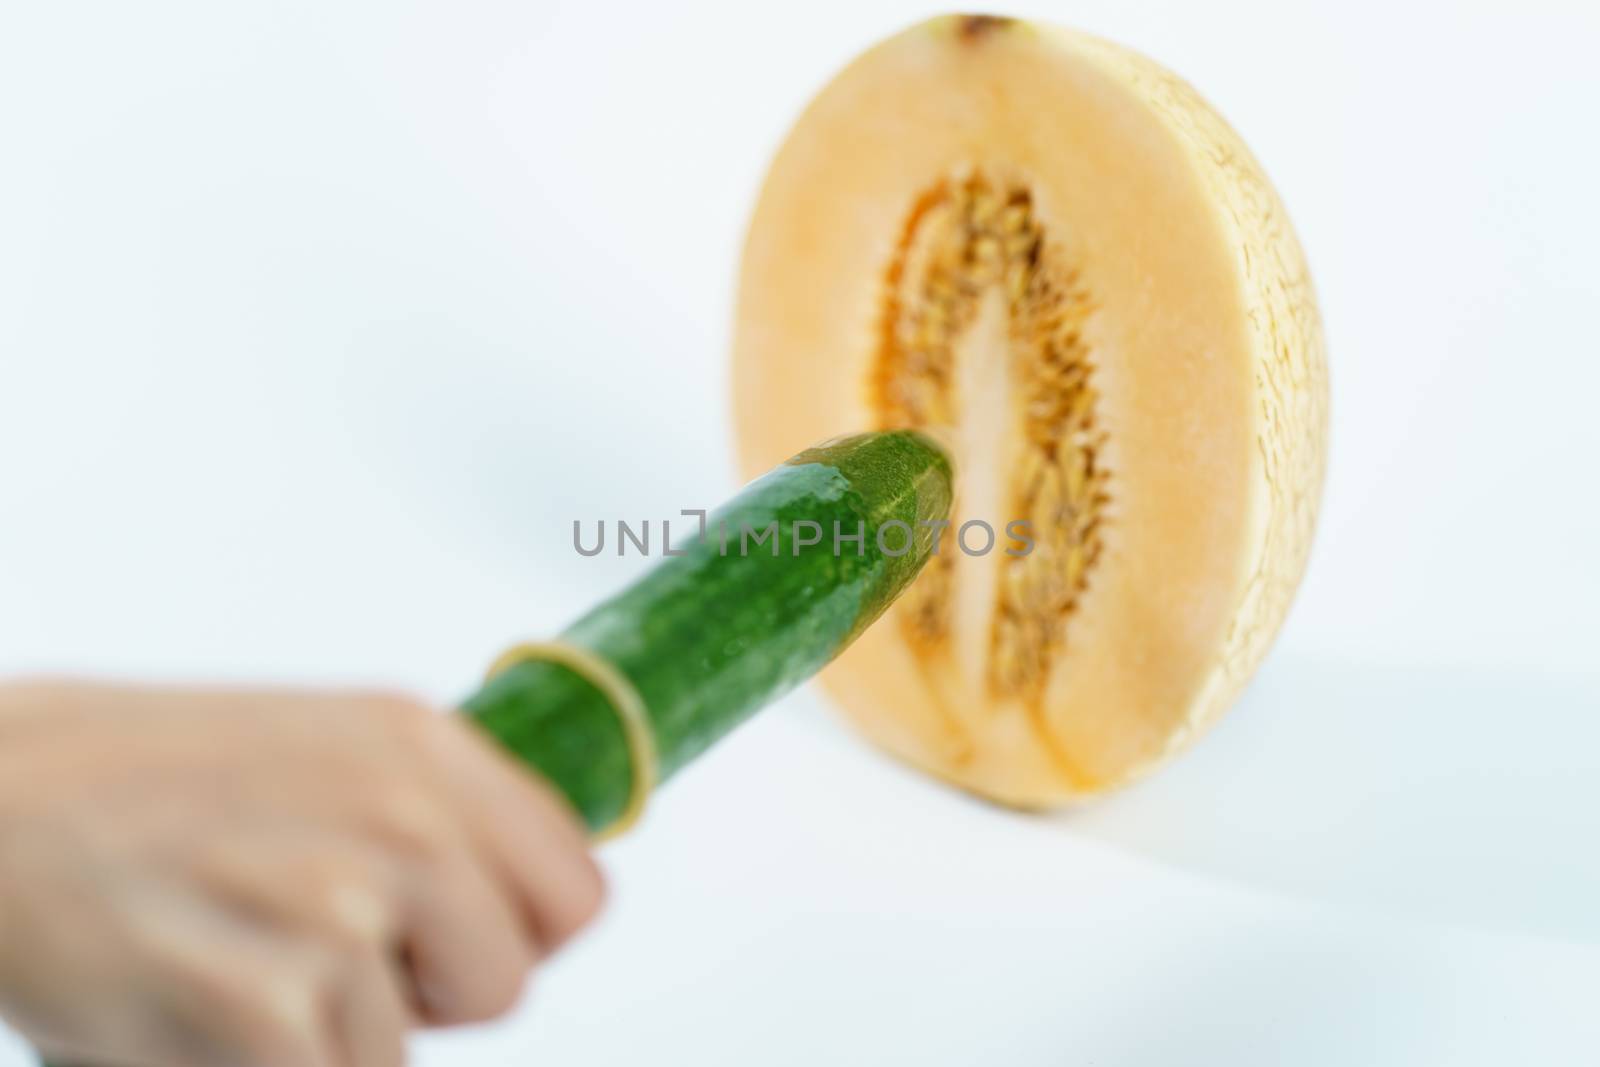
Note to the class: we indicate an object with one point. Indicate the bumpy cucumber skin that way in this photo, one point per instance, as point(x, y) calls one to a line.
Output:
point(707, 637)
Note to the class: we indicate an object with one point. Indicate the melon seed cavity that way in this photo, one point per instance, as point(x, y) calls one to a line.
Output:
point(962, 240)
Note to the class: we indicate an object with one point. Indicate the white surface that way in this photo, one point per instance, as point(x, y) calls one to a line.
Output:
point(320, 323)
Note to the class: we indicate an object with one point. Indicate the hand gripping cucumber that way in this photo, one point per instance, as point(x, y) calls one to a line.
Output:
point(783, 578)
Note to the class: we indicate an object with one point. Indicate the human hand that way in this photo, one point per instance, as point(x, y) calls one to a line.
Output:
point(191, 878)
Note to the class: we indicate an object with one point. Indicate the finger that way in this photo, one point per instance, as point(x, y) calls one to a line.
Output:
point(468, 949)
point(530, 835)
point(371, 1013)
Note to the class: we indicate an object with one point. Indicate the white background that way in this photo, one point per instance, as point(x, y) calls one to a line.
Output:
point(320, 322)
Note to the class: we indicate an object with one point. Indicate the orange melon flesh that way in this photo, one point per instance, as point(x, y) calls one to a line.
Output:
point(1052, 254)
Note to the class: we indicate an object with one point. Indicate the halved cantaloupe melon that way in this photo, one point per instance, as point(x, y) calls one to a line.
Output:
point(1051, 253)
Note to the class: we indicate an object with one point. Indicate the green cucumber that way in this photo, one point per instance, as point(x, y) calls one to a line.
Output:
point(708, 637)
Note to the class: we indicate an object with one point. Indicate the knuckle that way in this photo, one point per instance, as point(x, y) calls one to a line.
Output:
point(411, 820)
point(355, 909)
point(400, 719)
point(348, 900)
